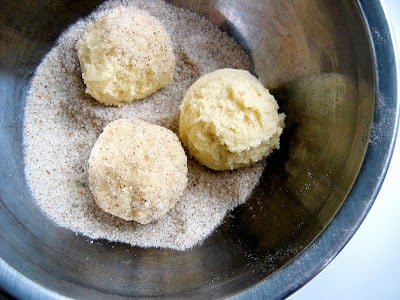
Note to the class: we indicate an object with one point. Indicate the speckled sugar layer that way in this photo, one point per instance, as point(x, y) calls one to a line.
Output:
point(62, 124)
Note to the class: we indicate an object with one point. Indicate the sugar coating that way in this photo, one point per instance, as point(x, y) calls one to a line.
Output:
point(125, 55)
point(137, 170)
point(62, 124)
point(229, 120)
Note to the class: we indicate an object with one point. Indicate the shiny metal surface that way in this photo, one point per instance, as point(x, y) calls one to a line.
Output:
point(330, 65)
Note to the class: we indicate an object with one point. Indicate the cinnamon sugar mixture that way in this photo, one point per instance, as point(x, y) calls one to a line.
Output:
point(62, 124)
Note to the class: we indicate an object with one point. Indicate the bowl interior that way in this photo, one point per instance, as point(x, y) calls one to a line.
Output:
point(314, 56)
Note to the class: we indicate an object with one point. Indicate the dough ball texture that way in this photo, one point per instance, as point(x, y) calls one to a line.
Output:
point(228, 120)
point(137, 170)
point(125, 55)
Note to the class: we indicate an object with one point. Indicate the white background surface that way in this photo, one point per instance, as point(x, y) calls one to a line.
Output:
point(369, 266)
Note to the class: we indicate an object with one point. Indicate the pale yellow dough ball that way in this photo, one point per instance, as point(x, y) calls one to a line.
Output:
point(125, 55)
point(137, 170)
point(228, 120)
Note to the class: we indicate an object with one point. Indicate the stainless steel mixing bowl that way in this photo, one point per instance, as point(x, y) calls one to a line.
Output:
point(331, 66)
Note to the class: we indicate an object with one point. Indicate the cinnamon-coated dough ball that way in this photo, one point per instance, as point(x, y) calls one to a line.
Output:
point(137, 170)
point(228, 120)
point(125, 55)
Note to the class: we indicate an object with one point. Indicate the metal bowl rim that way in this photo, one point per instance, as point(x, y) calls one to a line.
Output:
point(320, 253)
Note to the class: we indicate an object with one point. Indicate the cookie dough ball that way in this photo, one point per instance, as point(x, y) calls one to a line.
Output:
point(137, 170)
point(229, 120)
point(125, 55)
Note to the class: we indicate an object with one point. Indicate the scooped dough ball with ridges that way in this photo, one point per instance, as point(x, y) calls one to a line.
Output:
point(125, 55)
point(137, 170)
point(228, 120)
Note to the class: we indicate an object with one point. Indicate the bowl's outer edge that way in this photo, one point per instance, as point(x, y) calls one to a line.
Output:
point(353, 211)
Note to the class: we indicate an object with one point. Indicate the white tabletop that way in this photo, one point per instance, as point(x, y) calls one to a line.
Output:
point(369, 266)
